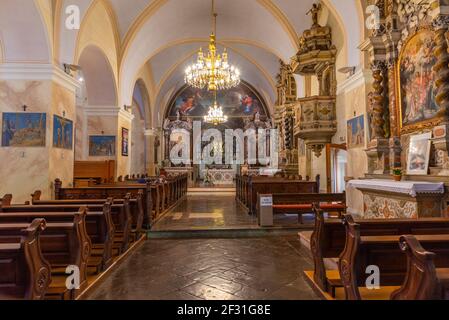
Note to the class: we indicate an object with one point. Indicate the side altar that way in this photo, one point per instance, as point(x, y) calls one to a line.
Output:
point(408, 119)
point(387, 199)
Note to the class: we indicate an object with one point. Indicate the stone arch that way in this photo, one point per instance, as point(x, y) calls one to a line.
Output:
point(141, 151)
point(23, 19)
point(99, 28)
point(99, 77)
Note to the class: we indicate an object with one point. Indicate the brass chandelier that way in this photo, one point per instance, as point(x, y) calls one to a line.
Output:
point(216, 115)
point(212, 71)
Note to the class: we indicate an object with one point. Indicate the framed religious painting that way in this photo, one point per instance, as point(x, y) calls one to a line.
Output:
point(102, 146)
point(62, 133)
point(419, 154)
point(24, 129)
point(356, 132)
point(417, 88)
point(125, 142)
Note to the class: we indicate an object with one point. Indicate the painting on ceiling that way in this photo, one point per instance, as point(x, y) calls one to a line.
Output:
point(62, 133)
point(417, 79)
point(24, 129)
point(241, 101)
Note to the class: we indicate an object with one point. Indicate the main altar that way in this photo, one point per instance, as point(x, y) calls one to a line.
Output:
point(221, 177)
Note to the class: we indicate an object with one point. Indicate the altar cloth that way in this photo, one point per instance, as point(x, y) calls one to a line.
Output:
point(411, 188)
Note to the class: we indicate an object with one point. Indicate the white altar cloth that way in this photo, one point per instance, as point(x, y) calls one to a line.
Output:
point(411, 188)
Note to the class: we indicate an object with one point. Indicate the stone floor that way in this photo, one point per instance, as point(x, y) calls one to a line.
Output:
point(212, 269)
point(214, 210)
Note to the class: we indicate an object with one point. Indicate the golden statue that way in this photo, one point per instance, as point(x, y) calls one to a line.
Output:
point(314, 12)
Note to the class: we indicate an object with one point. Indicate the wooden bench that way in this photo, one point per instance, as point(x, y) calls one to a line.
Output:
point(329, 237)
point(63, 244)
point(99, 226)
point(423, 280)
point(382, 250)
point(135, 207)
point(120, 214)
point(25, 274)
point(271, 185)
point(114, 192)
point(165, 192)
point(300, 204)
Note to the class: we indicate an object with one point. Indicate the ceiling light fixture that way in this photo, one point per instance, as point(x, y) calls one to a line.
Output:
point(212, 71)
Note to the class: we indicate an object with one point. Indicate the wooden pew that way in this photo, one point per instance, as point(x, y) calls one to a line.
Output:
point(99, 225)
point(269, 185)
point(383, 251)
point(329, 238)
point(304, 203)
point(114, 192)
point(135, 207)
point(166, 192)
point(25, 274)
point(63, 244)
point(120, 213)
point(423, 280)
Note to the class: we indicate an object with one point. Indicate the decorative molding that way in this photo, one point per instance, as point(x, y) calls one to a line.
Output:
point(38, 72)
point(360, 78)
point(151, 132)
point(412, 15)
point(126, 115)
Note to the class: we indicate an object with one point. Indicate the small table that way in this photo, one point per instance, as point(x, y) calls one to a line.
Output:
point(387, 199)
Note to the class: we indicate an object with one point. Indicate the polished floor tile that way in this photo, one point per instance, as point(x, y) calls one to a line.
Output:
point(210, 211)
point(212, 269)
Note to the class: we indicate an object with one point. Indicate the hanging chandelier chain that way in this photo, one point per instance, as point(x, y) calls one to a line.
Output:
point(212, 70)
point(214, 16)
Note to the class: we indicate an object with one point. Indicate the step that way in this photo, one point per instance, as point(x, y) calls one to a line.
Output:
point(254, 232)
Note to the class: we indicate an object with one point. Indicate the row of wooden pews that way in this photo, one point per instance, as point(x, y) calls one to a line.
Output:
point(159, 193)
point(412, 256)
point(249, 187)
point(88, 228)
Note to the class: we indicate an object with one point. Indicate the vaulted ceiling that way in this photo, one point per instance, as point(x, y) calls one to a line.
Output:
point(160, 37)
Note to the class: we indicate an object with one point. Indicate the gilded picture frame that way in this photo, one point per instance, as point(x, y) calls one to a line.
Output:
point(417, 111)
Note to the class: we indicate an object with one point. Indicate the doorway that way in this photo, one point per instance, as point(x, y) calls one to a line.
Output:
point(336, 161)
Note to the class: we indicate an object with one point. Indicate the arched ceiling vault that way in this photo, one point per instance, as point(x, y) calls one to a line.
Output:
point(138, 35)
point(254, 73)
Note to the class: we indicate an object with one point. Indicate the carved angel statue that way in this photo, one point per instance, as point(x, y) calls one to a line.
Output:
point(166, 124)
point(412, 12)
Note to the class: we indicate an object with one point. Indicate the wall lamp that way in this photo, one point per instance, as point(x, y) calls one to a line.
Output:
point(69, 68)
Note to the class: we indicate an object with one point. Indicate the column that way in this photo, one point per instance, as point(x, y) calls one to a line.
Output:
point(378, 148)
point(33, 161)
